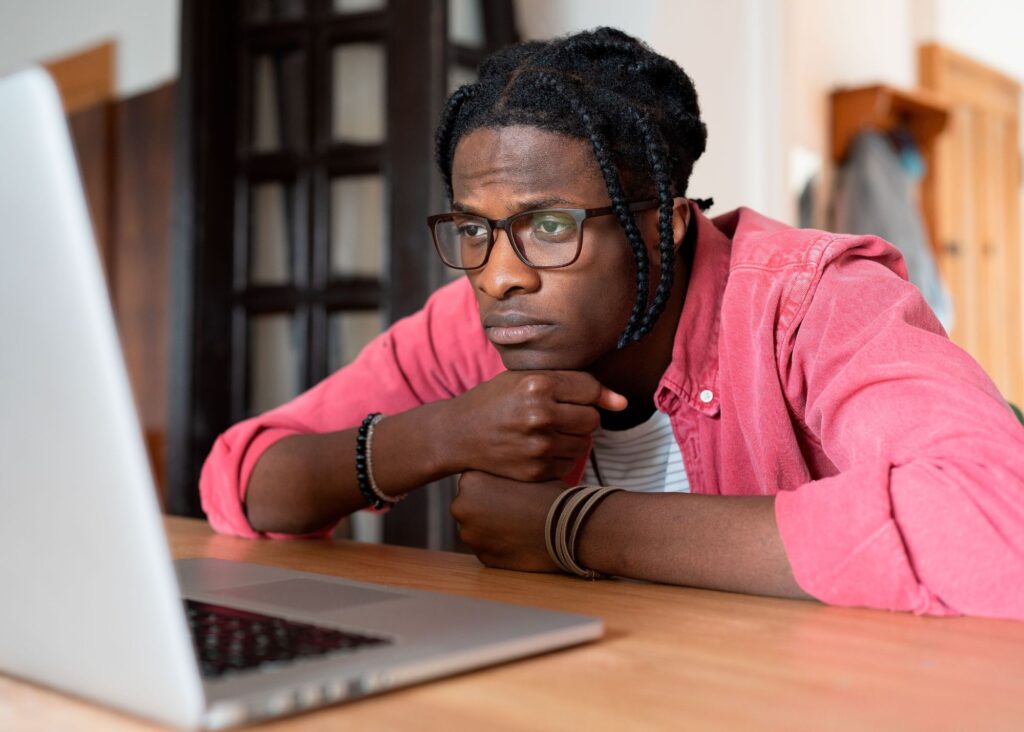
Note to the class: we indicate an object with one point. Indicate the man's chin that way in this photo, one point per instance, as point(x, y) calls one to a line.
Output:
point(522, 359)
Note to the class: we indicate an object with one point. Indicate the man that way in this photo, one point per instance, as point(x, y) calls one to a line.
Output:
point(787, 412)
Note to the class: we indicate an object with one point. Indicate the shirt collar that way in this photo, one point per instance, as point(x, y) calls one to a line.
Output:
point(692, 376)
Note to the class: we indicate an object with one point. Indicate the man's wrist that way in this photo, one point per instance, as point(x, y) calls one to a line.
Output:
point(444, 435)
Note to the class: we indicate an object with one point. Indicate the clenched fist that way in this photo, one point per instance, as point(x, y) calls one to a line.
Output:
point(527, 425)
point(502, 520)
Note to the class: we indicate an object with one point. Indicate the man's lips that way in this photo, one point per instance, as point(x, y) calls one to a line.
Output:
point(513, 329)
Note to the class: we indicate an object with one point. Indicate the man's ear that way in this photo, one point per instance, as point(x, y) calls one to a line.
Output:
point(680, 219)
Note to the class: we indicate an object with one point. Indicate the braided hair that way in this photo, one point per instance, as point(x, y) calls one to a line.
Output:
point(637, 109)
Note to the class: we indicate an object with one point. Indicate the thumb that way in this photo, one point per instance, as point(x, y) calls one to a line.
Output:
point(611, 400)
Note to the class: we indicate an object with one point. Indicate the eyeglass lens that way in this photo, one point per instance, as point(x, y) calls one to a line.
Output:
point(544, 238)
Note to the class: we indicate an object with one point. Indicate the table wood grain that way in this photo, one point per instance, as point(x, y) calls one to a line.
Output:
point(672, 658)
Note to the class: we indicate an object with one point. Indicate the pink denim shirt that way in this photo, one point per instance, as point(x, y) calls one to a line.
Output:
point(805, 367)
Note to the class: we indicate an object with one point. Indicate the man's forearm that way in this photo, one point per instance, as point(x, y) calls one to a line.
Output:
point(306, 482)
point(719, 542)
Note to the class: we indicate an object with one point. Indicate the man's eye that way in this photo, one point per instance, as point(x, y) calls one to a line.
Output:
point(551, 226)
point(471, 231)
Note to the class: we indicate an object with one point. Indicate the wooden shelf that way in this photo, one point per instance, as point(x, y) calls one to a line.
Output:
point(885, 108)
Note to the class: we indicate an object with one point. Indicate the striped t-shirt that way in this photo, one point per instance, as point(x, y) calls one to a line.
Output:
point(643, 458)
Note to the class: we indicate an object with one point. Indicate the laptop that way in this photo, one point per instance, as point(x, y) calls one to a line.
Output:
point(92, 603)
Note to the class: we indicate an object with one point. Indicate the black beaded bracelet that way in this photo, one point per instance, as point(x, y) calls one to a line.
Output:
point(362, 468)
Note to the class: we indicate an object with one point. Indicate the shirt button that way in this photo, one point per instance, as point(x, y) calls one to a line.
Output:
point(706, 396)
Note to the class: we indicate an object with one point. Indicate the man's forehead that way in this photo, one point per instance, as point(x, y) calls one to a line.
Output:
point(521, 158)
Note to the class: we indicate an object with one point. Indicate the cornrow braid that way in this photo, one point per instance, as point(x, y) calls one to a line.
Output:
point(637, 109)
point(666, 239)
point(443, 136)
point(618, 197)
point(593, 45)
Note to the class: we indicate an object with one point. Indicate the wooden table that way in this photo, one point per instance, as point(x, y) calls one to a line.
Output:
point(673, 658)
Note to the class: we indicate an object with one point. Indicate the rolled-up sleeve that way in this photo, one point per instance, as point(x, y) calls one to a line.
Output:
point(437, 353)
point(926, 513)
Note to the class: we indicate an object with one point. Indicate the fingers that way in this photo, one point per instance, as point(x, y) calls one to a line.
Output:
point(540, 470)
point(567, 447)
point(575, 419)
point(557, 418)
point(574, 387)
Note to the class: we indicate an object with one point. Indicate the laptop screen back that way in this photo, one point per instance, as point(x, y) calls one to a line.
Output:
point(90, 602)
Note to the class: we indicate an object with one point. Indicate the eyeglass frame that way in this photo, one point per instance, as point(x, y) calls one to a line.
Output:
point(494, 225)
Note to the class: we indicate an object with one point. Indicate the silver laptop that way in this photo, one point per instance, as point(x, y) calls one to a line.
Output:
point(91, 602)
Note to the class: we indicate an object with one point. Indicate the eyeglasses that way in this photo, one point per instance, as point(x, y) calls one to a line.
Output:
point(543, 239)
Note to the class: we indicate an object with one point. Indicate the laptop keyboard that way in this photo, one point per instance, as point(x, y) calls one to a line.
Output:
point(228, 640)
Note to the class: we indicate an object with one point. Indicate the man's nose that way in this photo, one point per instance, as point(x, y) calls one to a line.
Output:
point(504, 272)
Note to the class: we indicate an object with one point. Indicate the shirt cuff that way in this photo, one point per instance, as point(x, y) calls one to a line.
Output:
point(844, 546)
point(223, 495)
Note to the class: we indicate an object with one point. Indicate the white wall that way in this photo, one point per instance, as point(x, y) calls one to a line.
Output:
point(764, 69)
point(146, 32)
point(831, 44)
point(730, 48)
point(548, 18)
point(988, 30)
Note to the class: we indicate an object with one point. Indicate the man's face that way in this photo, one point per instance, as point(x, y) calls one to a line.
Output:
point(565, 318)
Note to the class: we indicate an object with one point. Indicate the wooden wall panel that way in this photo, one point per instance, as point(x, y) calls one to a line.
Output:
point(125, 152)
point(144, 144)
point(92, 133)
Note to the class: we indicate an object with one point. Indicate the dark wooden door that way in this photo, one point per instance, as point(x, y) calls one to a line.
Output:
point(305, 136)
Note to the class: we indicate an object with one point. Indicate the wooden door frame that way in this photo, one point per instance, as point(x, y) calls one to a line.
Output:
point(200, 368)
point(996, 96)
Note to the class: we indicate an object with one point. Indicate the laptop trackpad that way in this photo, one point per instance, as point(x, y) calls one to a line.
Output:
point(308, 595)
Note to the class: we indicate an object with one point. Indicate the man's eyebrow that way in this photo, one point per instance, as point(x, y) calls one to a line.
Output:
point(529, 204)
